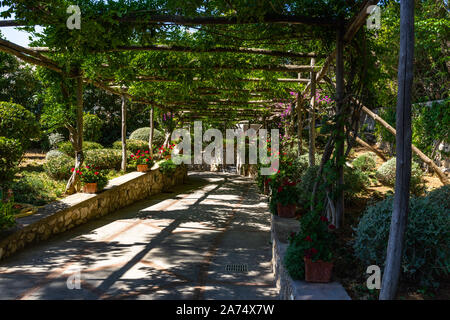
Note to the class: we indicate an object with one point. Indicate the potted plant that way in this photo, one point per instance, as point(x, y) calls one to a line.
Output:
point(166, 153)
point(315, 240)
point(142, 160)
point(286, 196)
point(91, 179)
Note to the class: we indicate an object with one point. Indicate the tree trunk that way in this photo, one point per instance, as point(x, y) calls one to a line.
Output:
point(312, 123)
point(299, 126)
point(76, 138)
point(150, 137)
point(340, 137)
point(123, 166)
point(403, 148)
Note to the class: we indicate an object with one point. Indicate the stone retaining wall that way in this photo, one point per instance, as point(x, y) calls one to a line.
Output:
point(289, 288)
point(79, 208)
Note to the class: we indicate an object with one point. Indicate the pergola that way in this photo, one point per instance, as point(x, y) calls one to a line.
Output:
point(241, 78)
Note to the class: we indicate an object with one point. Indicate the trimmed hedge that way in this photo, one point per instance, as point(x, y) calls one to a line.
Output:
point(144, 133)
point(53, 154)
point(132, 145)
point(59, 167)
point(386, 175)
point(67, 148)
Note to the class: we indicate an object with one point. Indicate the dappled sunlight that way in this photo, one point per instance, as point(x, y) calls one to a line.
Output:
point(172, 246)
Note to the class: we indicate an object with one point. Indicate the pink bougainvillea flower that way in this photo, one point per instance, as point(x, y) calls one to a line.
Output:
point(72, 170)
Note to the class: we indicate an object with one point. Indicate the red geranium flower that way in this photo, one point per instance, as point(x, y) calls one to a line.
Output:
point(72, 170)
point(96, 172)
point(314, 250)
point(331, 227)
point(323, 218)
point(308, 238)
point(280, 189)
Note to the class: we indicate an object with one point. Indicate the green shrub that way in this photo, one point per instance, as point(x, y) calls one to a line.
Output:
point(53, 154)
point(355, 181)
point(92, 127)
point(167, 167)
point(441, 195)
point(365, 162)
point(386, 175)
point(36, 188)
point(293, 261)
point(427, 241)
point(144, 133)
point(104, 158)
point(67, 147)
point(59, 167)
point(306, 185)
point(7, 218)
point(132, 145)
point(16, 122)
point(11, 152)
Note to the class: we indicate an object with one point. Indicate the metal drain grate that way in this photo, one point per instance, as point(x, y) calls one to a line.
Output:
point(236, 268)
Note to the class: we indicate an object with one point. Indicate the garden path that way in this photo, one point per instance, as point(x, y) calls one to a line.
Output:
point(172, 246)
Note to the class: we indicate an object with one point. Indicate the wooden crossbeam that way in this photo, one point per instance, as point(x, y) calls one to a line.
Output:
point(176, 48)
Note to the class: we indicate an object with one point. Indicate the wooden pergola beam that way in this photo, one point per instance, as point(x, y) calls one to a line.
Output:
point(176, 48)
point(269, 68)
point(160, 79)
point(350, 32)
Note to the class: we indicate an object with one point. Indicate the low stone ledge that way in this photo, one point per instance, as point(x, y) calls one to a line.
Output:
point(291, 289)
point(76, 209)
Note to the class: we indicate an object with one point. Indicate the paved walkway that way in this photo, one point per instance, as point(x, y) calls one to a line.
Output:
point(174, 246)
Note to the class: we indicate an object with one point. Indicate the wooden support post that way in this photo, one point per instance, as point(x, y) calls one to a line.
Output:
point(312, 122)
point(340, 139)
point(124, 136)
point(150, 137)
point(403, 149)
point(76, 137)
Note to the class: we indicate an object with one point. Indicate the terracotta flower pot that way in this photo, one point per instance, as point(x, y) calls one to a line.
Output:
point(90, 187)
point(142, 167)
point(319, 271)
point(287, 211)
